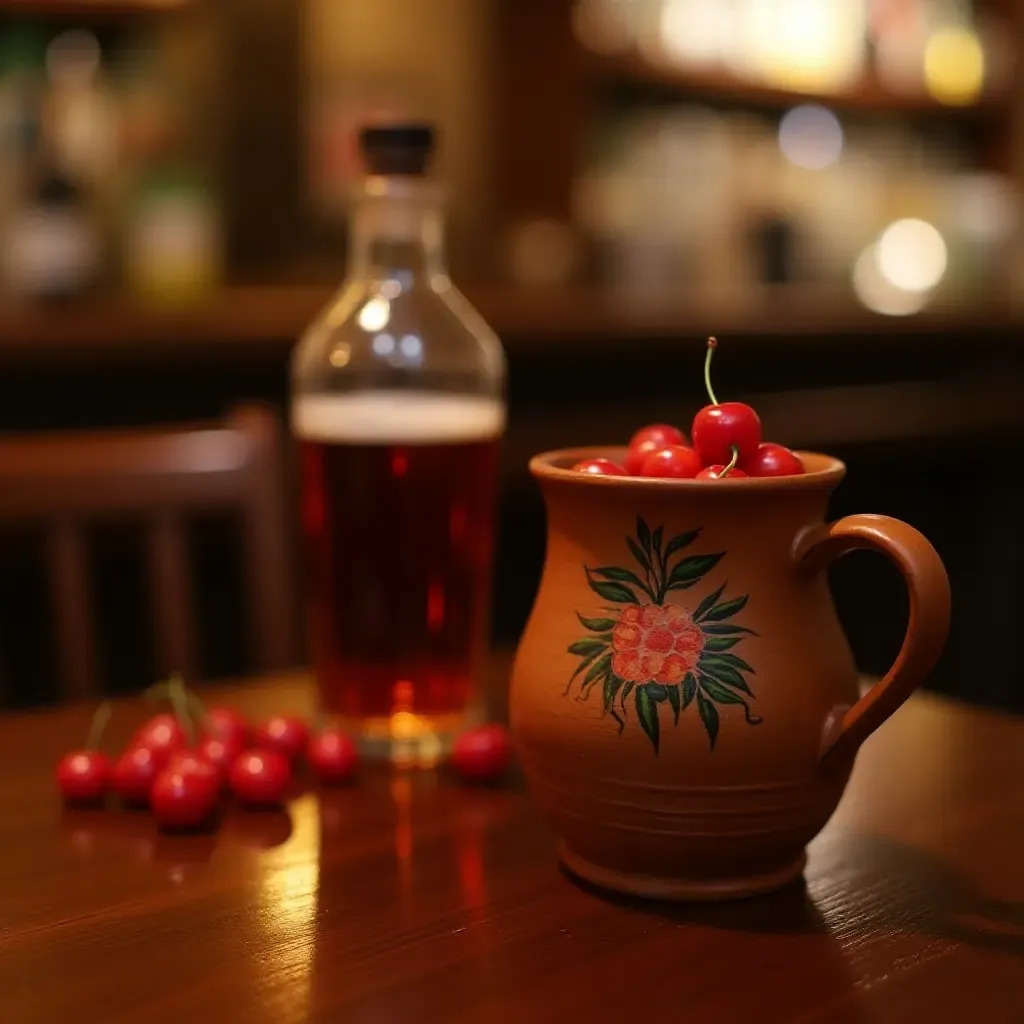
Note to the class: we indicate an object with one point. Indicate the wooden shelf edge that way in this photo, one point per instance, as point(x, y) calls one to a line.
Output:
point(91, 8)
point(537, 321)
point(869, 96)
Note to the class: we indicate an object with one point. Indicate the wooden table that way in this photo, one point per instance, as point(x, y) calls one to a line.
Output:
point(408, 898)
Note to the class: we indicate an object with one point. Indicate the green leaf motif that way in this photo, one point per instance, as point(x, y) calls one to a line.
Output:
point(721, 643)
point(734, 661)
point(656, 691)
point(707, 604)
point(673, 699)
point(611, 687)
point(638, 554)
point(689, 690)
point(709, 716)
point(656, 540)
point(723, 673)
point(727, 609)
point(720, 694)
point(617, 575)
point(598, 669)
point(588, 645)
point(612, 591)
point(597, 625)
point(724, 629)
point(647, 713)
point(691, 570)
point(643, 534)
point(680, 541)
point(626, 691)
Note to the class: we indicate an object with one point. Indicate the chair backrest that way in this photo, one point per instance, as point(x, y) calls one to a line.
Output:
point(66, 481)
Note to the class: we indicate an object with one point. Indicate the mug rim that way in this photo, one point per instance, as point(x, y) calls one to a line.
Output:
point(821, 471)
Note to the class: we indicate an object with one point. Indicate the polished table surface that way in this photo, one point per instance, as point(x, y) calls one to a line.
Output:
point(410, 898)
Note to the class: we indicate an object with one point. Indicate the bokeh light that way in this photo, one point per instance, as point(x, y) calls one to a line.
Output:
point(912, 255)
point(879, 294)
point(954, 66)
point(811, 136)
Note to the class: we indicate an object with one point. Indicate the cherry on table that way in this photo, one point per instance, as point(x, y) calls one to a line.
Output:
point(83, 776)
point(260, 778)
point(133, 775)
point(219, 752)
point(227, 724)
point(724, 428)
point(599, 467)
point(773, 460)
point(185, 792)
point(163, 734)
point(332, 754)
point(674, 461)
point(482, 754)
point(720, 473)
point(286, 734)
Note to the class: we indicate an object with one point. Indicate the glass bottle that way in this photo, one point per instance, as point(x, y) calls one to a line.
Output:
point(398, 407)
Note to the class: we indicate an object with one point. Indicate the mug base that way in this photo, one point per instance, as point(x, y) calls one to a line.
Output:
point(680, 889)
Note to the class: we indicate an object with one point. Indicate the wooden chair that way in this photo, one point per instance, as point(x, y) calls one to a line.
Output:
point(160, 475)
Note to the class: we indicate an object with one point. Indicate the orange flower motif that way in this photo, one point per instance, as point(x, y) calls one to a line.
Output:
point(655, 643)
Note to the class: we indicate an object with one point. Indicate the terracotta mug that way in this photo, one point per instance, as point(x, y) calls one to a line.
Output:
point(684, 700)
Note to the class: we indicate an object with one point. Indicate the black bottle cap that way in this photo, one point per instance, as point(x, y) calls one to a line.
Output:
point(397, 148)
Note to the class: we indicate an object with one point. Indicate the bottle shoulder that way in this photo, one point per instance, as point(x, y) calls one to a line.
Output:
point(374, 333)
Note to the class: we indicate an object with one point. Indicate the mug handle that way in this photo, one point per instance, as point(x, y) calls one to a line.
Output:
point(928, 587)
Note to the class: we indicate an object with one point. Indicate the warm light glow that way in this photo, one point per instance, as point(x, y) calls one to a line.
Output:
point(803, 44)
point(811, 136)
point(341, 354)
point(912, 255)
point(374, 316)
point(879, 294)
point(696, 32)
point(289, 883)
point(954, 66)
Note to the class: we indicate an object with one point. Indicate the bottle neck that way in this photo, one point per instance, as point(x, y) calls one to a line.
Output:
point(397, 233)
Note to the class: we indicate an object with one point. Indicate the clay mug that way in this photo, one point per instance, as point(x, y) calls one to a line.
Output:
point(684, 700)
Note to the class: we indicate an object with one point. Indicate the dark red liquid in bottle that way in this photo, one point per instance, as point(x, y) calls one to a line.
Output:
point(399, 544)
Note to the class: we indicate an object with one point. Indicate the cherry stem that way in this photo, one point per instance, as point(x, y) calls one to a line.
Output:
point(712, 345)
point(179, 701)
point(99, 722)
point(726, 470)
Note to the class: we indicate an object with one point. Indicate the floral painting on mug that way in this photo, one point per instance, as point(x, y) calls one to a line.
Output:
point(645, 647)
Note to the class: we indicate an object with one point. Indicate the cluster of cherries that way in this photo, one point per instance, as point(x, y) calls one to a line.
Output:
point(179, 763)
point(726, 444)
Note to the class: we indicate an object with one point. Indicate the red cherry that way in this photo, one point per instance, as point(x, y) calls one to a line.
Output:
point(715, 473)
point(260, 778)
point(185, 793)
point(332, 755)
point(599, 467)
point(662, 434)
point(773, 460)
point(717, 429)
point(163, 734)
point(227, 724)
point(482, 753)
point(83, 776)
point(284, 733)
point(219, 752)
point(134, 773)
point(721, 427)
point(674, 461)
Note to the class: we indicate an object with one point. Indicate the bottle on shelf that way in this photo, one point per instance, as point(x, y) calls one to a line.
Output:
point(398, 407)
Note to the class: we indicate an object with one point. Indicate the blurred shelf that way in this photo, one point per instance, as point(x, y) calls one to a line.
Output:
point(264, 322)
point(869, 95)
point(91, 8)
